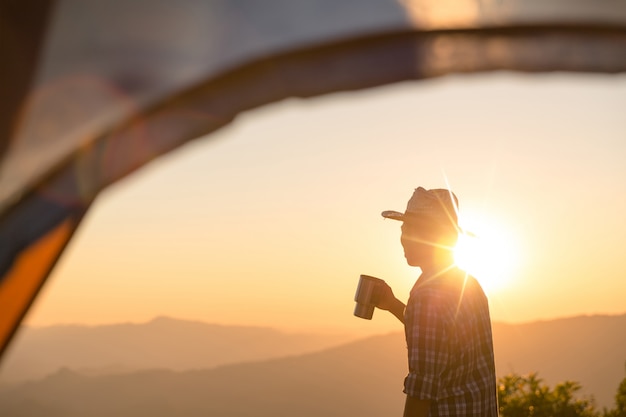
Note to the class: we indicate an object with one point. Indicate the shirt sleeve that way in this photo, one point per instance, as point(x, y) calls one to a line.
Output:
point(426, 337)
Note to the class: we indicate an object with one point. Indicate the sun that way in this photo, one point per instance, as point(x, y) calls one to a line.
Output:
point(489, 254)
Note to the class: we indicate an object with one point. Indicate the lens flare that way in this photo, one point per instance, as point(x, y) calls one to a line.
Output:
point(489, 256)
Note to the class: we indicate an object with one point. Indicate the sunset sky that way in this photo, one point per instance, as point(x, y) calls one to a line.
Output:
point(271, 220)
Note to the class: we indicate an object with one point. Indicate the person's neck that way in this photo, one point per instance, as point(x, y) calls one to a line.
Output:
point(437, 266)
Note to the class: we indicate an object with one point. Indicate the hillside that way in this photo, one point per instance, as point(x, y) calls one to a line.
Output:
point(359, 378)
point(587, 349)
point(160, 343)
point(362, 378)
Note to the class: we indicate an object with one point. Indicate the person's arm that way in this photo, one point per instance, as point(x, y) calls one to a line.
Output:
point(414, 407)
point(387, 301)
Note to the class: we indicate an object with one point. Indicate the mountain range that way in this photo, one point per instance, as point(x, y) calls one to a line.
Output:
point(362, 377)
point(160, 343)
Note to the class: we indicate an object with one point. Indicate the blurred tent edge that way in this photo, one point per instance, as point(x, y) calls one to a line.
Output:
point(22, 34)
point(92, 95)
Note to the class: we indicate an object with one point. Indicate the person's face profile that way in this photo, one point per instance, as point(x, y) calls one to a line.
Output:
point(418, 240)
point(421, 238)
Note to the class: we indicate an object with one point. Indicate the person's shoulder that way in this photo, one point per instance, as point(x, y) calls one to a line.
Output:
point(451, 283)
point(436, 285)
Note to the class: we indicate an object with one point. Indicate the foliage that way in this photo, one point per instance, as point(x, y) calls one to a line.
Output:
point(528, 396)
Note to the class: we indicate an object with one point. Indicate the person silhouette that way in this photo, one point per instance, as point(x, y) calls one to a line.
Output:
point(446, 319)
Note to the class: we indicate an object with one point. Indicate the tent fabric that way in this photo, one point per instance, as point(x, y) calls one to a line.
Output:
point(119, 83)
point(105, 62)
point(21, 284)
point(22, 33)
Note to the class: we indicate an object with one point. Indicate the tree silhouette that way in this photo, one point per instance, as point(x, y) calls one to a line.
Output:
point(529, 396)
point(526, 396)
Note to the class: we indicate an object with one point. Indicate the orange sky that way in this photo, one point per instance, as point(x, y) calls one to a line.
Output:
point(271, 220)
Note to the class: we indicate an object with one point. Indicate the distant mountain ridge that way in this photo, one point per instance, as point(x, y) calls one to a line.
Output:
point(160, 343)
point(362, 378)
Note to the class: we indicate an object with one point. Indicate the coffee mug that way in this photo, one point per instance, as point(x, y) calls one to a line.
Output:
point(366, 297)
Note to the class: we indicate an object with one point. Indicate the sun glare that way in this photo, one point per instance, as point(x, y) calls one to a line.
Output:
point(489, 255)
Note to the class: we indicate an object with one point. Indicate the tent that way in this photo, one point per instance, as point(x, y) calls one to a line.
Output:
point(92, 91)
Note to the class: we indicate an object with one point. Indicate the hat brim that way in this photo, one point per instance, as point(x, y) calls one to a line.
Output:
point(393, 215)
point(416, 216)
point(396, 215)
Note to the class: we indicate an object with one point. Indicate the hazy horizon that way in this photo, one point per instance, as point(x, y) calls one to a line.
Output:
point(295, 330)
point(211, 358)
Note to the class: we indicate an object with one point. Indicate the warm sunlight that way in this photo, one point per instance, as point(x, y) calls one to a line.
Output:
point(488, 253)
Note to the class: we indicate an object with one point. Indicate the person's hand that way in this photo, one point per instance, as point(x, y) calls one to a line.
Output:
point(386, 299)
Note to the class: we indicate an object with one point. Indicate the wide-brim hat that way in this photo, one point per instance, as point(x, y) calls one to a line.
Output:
point(438, 205)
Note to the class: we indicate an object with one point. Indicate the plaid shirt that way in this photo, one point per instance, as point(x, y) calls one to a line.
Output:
point(450, 348)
